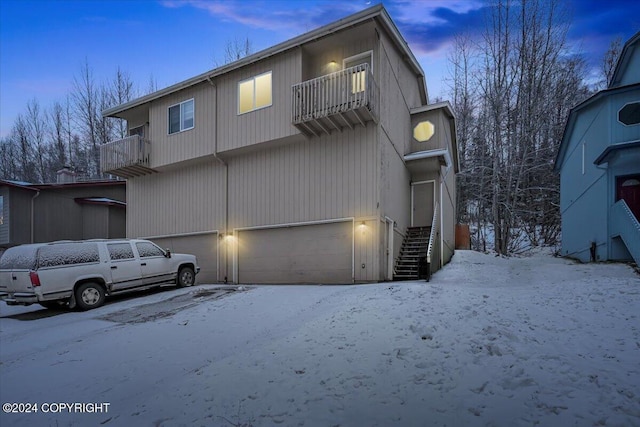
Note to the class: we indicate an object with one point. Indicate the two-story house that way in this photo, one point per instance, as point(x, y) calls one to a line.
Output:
point(318, 160)
point(599, 166)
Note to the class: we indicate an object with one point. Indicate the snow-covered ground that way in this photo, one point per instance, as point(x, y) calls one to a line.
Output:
point(489, 341)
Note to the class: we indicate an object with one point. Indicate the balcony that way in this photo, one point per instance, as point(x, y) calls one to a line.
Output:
point(126, 157)
point(339, 100)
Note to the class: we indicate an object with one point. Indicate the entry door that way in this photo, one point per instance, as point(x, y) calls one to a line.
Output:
point(422, 203)
point(628, 189)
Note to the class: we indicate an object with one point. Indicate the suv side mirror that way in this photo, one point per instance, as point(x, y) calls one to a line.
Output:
point(167, 253)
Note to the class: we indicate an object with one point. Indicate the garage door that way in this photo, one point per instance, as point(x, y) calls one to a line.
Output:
point(320, 253)
point(203, 246)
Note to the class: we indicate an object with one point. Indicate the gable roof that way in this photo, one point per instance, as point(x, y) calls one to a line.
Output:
point(377, 12)
point(573, 115)
point(623, 60)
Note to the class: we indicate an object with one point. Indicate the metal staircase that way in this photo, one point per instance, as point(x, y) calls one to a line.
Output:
point(414, 248)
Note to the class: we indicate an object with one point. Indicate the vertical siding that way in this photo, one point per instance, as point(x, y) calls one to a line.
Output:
point(4, 227)
point(95, 221)
point(337, 47)
point(185, 200)
point(20, 216)
point(189, 144)
point(333, 176)
point(266, 124)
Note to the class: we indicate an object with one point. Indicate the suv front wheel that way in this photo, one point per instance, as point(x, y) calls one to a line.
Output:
point(89, 295)
point(186, 277)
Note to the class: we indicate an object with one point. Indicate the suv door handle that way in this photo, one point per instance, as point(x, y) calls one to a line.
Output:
point(113, 267)
point(144, 263)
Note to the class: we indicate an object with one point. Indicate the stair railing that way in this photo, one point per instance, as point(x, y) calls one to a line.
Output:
point(433, 250)
point(625, 224)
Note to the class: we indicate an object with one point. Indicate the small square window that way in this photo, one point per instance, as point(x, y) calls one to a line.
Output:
point(181, 116)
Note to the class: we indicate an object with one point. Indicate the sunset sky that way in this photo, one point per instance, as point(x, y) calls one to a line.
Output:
point(44, 43)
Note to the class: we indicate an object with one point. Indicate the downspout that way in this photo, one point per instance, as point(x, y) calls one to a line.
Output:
point(226, 179)
point(33, 215)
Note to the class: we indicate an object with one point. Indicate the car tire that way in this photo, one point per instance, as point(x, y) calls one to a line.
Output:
point(186, 277)
point(89, 295)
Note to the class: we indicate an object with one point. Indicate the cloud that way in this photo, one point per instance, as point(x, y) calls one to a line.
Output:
point(276, 16)
point(430, 27)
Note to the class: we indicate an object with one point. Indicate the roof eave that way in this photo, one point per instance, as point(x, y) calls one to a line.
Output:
point(377, 11)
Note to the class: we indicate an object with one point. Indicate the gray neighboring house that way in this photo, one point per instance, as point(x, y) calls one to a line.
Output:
point(33, 213)
point(318, 160)
point(599, 165)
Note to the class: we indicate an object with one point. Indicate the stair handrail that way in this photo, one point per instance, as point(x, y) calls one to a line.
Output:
point(625, 224)
point(432, 236)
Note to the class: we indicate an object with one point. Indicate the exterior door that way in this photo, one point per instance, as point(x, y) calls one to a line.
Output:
point(422, 203)
point(124, 267)
point(628, 189)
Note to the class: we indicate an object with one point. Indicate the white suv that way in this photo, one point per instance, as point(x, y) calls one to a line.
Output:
point(82, 273)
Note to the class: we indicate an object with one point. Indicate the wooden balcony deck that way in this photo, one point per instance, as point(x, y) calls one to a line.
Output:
point(339, 100)
point(127, 157)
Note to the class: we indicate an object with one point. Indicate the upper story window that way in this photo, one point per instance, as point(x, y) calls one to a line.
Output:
point(630, 114)
point(254, 93)
point(181, 116)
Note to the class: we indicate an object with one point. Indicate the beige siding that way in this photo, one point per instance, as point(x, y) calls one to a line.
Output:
point(395, 195)
point(184, 200)
point(326, 56)
point(333, 176)
point(266, 124)
point(397, 92)
point(189, 144)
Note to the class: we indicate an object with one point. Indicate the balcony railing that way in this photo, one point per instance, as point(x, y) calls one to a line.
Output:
point(127, 157)
point(342, 99)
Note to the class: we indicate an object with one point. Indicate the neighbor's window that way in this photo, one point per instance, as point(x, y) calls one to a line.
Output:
point(254, 93)
point(630, 114)
point(181, 116)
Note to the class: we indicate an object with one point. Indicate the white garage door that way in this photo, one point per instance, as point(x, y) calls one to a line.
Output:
point(203, 246)
point(320, 253)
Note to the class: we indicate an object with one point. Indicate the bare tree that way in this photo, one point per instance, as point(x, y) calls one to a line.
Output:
point(609, 61)
point(38, 128)
point(85, 98)
point(234, 50)
point(120, 92)
point(57, 132)
point(509, 130)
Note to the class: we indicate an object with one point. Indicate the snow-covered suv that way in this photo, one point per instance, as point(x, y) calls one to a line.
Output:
point(82, 273)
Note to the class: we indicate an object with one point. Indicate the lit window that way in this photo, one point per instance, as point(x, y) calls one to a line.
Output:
point(254, 93)
point(181, 116)
point(423, 131)
point(358, 81)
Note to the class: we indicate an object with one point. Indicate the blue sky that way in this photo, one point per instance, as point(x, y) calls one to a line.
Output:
point(44, 43)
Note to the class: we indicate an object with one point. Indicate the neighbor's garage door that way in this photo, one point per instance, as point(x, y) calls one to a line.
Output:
point(203, 246)
point(320, 253)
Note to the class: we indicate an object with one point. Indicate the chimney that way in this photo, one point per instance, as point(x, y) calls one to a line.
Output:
point(66, 175)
